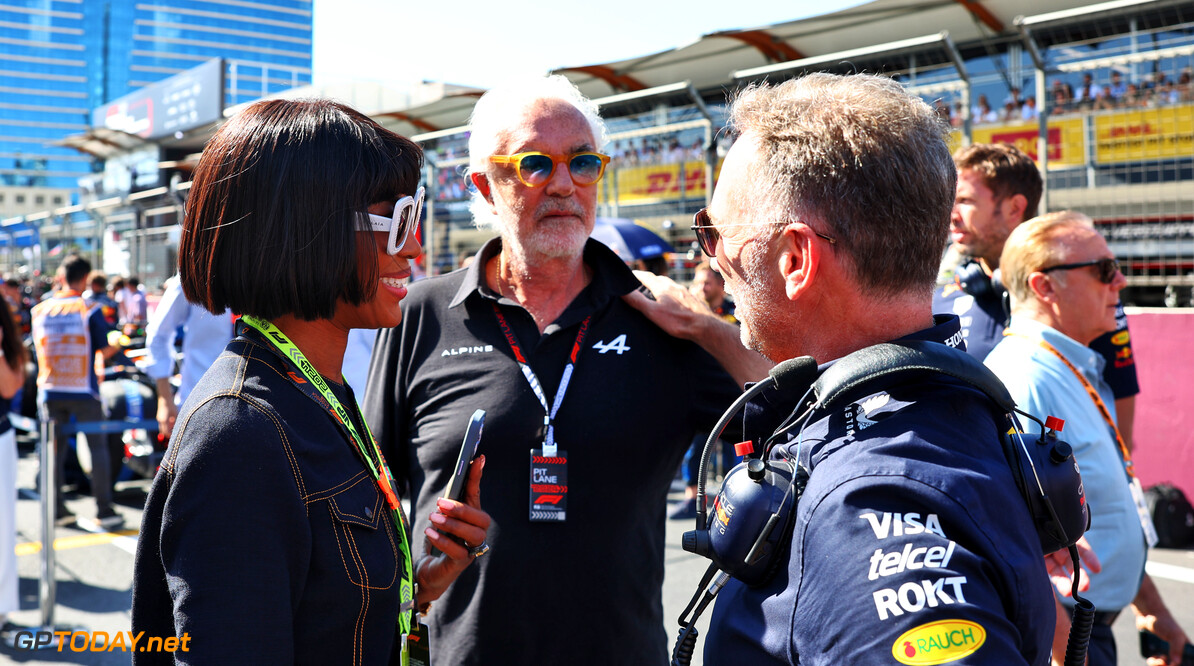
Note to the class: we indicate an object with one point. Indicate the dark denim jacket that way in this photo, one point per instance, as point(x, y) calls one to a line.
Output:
point(264, 538)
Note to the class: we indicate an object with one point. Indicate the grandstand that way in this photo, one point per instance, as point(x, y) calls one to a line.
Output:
point(1100, 95)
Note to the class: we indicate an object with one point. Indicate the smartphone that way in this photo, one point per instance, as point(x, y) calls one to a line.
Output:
point(1151, 645)
point(468, 450)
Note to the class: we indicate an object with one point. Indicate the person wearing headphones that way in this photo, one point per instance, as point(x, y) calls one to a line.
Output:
point(998, 188)
point(273, 532)
point(911, 541)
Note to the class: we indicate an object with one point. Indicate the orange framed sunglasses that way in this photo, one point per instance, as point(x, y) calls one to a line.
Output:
point(535, 169)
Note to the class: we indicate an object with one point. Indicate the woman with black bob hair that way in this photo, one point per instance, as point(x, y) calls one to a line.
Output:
point(273, 533)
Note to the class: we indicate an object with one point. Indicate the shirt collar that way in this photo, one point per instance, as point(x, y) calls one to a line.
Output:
point(768, 410)
point(946, 329)
point(1077, 353)
point(610, 274)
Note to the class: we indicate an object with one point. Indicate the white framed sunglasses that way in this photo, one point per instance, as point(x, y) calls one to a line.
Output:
point(405, 221)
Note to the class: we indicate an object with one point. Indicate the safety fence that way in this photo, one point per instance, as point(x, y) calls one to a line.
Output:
point(50, 432)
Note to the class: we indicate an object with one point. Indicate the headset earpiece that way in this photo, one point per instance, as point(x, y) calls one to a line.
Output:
point(973, 279)
point(748, 532)
point(751, 521)
point(1050, 460)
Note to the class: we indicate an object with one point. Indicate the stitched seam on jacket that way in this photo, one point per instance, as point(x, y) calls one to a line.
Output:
point(364, 519)
point(319, 494)
point(354, 553)
point(358, 627)
point(238, 384)
point(358, 639)
point(327, 493)
point(172, 451)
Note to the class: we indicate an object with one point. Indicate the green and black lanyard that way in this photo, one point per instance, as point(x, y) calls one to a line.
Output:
point(316, 387)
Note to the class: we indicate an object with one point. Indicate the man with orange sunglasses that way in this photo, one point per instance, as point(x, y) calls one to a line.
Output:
point(590, 405)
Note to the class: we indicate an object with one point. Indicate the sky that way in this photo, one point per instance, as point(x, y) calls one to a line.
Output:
point(483, 44)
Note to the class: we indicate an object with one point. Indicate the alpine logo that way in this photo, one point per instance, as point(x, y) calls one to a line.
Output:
point(618, 344)
point(461, 351)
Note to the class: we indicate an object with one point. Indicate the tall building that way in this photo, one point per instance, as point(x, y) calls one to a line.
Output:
point(59, 59)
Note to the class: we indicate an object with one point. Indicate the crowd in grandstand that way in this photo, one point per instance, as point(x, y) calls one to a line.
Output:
point(646, 151)
point(450, 185)
point(1153, 90)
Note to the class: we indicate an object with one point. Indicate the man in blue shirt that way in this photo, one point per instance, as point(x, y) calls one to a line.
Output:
point(1064, 285)
point(998, 188)
point(911, 541)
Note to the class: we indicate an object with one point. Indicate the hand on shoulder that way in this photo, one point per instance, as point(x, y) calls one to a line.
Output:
point(674, 309)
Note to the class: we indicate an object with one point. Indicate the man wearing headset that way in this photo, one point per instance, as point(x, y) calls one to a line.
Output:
point(998, 188)
point(911, 540)
point(1064, 285)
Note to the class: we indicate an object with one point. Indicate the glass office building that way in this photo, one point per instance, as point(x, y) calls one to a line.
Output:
point(59, 59)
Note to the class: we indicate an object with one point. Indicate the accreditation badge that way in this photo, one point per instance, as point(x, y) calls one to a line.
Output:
point(549, 486)
point(1146, 516)
point(414, 648)
point(419, 646)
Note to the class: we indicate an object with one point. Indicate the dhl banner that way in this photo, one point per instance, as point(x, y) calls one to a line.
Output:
point(655, 184)
point(1147, 134)
point(1067, 144)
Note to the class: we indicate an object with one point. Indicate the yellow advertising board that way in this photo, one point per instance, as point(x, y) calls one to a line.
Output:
point(1067, 139)
point(655, 184)
point(1147, 134)
point(954, 140)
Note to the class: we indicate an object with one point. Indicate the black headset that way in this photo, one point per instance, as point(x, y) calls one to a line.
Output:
point(749, 532)
point(973, 280)
point(752, 514)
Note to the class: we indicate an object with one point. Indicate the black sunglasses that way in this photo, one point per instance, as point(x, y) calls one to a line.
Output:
point(1108, 268)
point(708, 235)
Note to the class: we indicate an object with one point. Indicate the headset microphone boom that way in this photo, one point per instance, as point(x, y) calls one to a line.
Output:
point(749, 532)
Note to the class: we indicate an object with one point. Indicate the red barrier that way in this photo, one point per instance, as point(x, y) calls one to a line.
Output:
point(1164, 432)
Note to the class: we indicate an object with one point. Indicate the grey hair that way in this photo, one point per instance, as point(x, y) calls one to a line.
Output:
point(501, 107)
point(859, 158)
